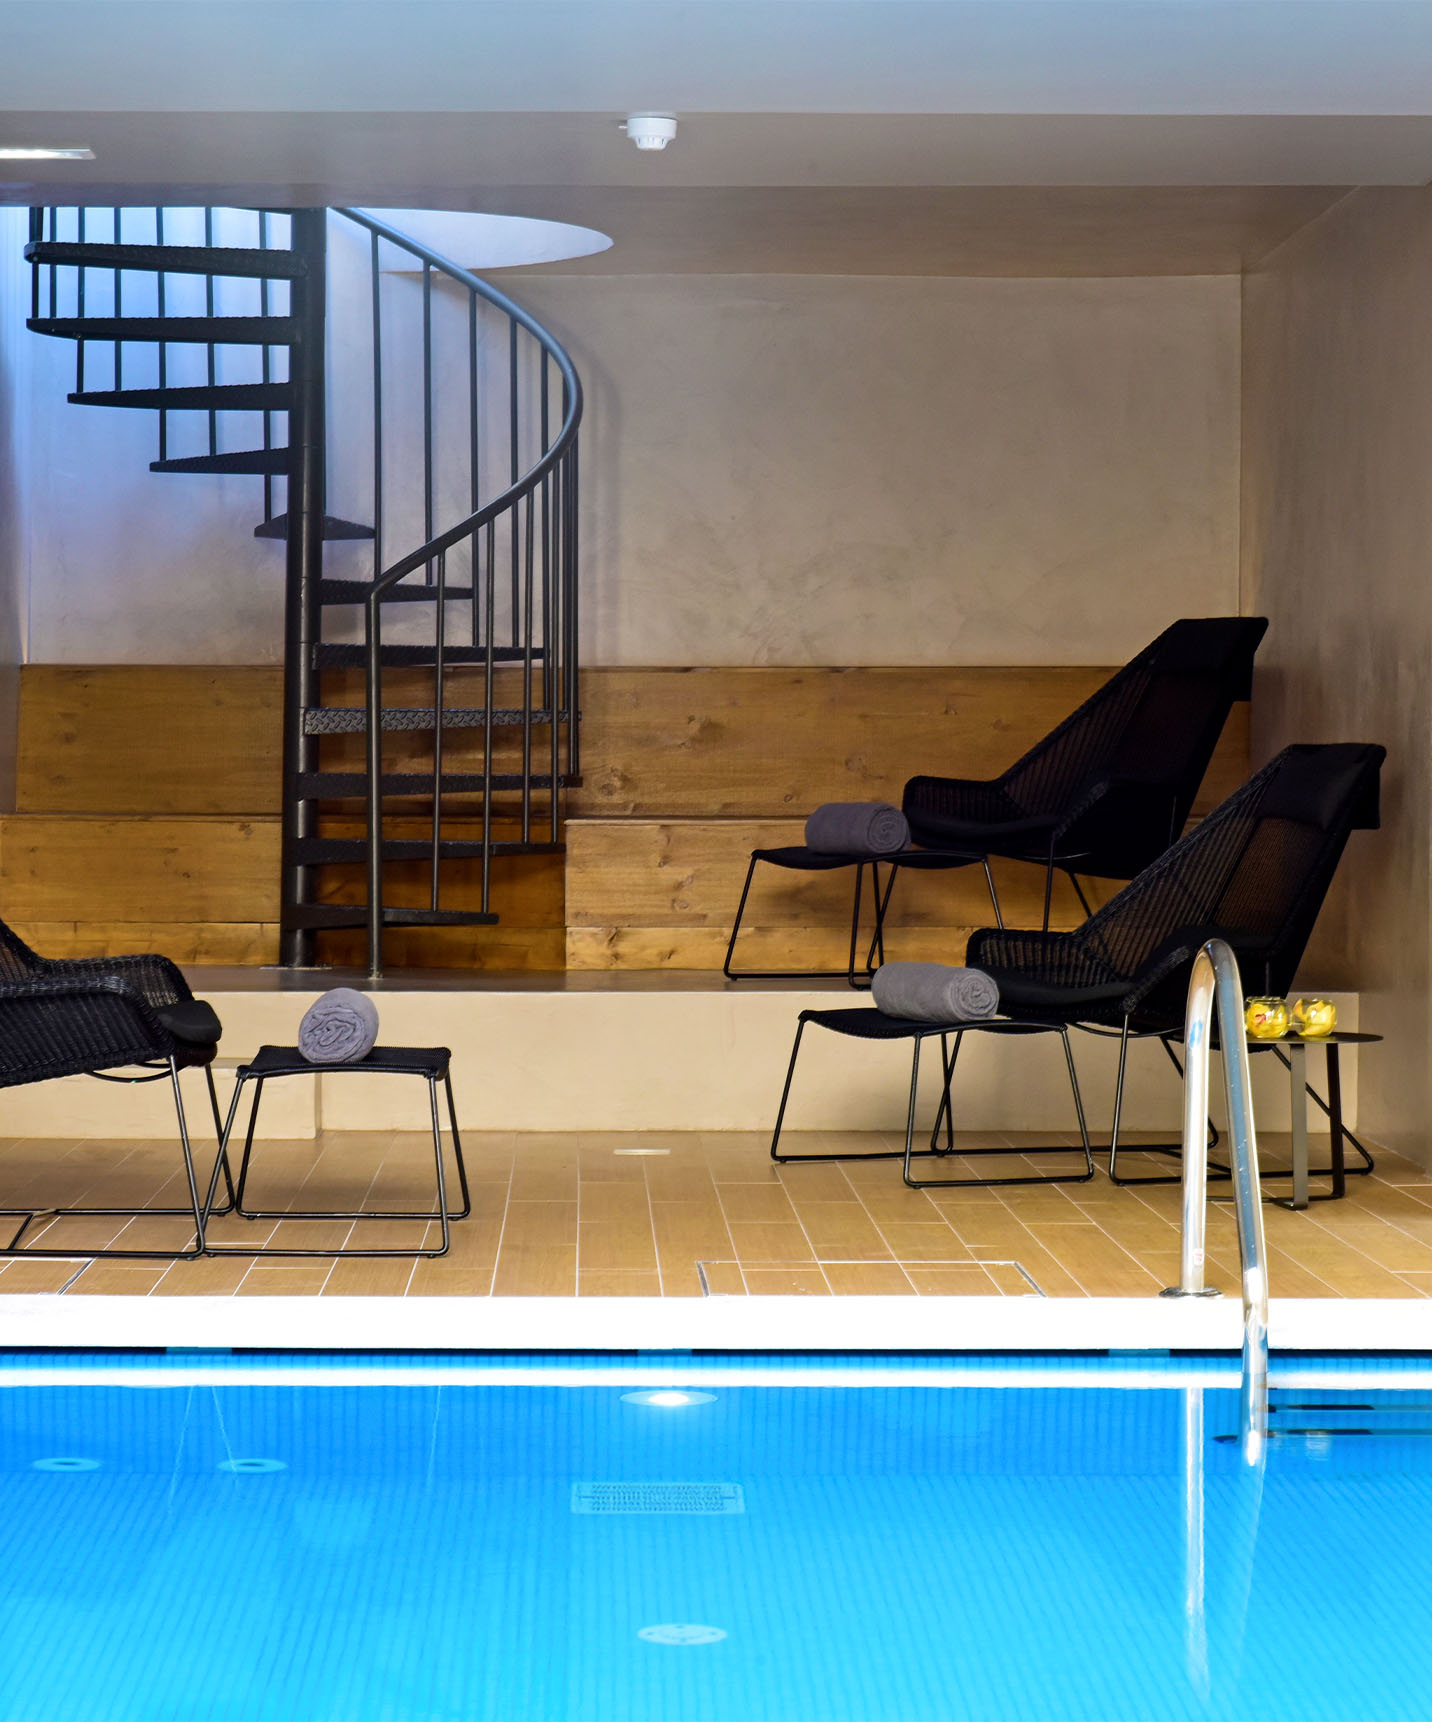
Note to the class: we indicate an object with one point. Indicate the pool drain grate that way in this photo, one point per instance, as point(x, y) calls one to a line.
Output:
point(704, 1498)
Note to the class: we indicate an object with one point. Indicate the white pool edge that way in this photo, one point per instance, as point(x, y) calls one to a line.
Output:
point(743, 1324)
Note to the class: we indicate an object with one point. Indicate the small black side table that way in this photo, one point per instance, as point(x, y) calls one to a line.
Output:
point(1293, 1050)
point(431, 1063)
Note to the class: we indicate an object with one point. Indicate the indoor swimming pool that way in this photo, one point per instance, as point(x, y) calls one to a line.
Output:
point(658, 1538)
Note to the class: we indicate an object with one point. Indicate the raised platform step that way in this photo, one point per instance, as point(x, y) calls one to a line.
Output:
point(338, 785)
point(337, 657)
point(350, 720)
point(653, 1053)
point(333, 915)
point(257, 460)
point(334, 529)
point(228, 260)
point(204, 397)
point(356, 592)
point(200, 331)
point(332, 851)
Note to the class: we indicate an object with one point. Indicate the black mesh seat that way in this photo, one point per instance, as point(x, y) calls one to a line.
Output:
point(431, 1064)
point(1254, 872)
point(98, 1016)
point(1111, 788)
point(1101, 795)
point(865, 1022)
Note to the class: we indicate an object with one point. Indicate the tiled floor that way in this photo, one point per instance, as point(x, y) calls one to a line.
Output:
point(679, 1215)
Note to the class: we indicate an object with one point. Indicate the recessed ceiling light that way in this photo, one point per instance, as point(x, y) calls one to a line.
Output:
point(45, 152)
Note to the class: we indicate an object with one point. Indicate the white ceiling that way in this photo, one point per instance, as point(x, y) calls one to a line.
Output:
point(721, 56)
point(799, 118)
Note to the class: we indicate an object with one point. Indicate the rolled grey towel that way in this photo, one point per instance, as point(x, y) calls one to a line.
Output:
point(934, 992)
point(857, 828)
point(339, 1028)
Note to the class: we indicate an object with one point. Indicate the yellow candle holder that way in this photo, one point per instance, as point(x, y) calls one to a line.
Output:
point(1313, 1018)
point(1265, 1019)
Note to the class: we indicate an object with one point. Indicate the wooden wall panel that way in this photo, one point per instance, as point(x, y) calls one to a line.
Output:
point(651, 893)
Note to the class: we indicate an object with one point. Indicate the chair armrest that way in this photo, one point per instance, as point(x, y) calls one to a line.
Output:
point(1017, 948)
point(58, 1026)
point(155, 978)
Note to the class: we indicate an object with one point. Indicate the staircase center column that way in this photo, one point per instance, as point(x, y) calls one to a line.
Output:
point(306, 503)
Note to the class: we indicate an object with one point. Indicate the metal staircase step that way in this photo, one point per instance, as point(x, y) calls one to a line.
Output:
point(270, 460)
point(204, 331)
point(356, 592)
point(252, 262)
point(332, 851)
point(333, 529)
point(320, 915)
point(332, 657)
point(348, 720)
point(338, 785)
point(220, 397)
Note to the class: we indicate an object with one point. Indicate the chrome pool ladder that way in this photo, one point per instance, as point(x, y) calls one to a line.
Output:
point(1215, 981)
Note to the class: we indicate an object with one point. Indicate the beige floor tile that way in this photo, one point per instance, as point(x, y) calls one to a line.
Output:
point(119, 1279)
point(754, 1243)
point(724, 1279)
point(924, 1241)
point(822, 1182)
point(759, 1204)
point(297, 1281)
point(611, 1282)
point(863, 1279)
point(1092, 1257)
point(39, 1276)
point(536, 1270)
point(616, 1203)
point(617, 1245)
point(842, 1231)
point(786, 1282)
point(443, 1279)
point(210, 1276)
point(953, 1282)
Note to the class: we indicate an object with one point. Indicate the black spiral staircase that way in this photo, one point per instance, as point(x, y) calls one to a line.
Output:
point(420, 758)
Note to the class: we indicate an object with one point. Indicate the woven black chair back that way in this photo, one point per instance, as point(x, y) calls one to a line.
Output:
point(1135, 752)
point(1255, 872)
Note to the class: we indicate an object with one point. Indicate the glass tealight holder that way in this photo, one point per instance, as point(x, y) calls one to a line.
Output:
point(1313, 1018)
point(1266, 1019)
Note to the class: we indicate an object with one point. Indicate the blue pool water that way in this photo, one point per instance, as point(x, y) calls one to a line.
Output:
point(373, 1540)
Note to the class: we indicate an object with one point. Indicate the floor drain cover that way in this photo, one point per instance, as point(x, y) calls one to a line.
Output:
point(65, 1464)
point(658, 1498)
point(682, 1634)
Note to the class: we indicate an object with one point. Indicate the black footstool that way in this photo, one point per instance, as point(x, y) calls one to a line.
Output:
point(429, 1062)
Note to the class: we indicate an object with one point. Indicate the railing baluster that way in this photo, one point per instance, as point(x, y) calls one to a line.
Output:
point(80, 311)
point(549, 642)
point(438, 726)
point(512, 432)
point(118, 309)
point(213, 351)
point(265, 367)
point(474, 487)
point(428, 410)
point(488, 631)
point(570, 577)
point(376, 291)
point(163, 377)
point(530, 501)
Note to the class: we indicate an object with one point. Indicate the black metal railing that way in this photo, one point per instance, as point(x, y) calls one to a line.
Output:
point(514, 599)
point(213, 316)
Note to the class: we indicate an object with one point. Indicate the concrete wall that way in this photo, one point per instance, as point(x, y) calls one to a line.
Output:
point(784, 470)
point(1337, 545)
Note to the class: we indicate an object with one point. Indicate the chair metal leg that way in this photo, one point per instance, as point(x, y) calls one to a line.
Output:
point(994, 895)
point(1167, 1148)
point(1079, 892)
point(444, 1222)
point(785, 1159)
point(194, 1211)
point(848, 974)
point(466, 1208)
point(946, 1115)
point(736, 925)
point(223, 1160)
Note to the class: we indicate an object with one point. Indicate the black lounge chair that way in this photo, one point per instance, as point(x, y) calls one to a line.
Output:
point(1254, 872)
point(1103, 794)
point(98, 1016)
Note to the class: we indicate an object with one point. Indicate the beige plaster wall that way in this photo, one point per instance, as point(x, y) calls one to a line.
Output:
point(776, 470)
point(1337, 545)
point(815, 470)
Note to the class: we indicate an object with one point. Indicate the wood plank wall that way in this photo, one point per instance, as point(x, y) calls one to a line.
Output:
point(147, 812)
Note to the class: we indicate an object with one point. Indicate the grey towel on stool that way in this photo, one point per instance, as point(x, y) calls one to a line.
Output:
point(339, 1028)
point(857, 828)
point(934, 992)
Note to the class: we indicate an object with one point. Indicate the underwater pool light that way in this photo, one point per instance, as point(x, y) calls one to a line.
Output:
point(669, 1398)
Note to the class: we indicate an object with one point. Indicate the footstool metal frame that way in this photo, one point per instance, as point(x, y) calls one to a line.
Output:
point(271, 1062)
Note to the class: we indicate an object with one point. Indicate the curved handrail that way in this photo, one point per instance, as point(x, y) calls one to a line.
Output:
point(1215, 981)
point(561, 443)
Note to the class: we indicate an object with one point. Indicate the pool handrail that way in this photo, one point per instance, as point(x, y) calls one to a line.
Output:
point(1215, 981)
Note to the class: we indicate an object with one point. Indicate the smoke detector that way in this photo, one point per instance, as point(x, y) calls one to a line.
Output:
point(650, 131)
